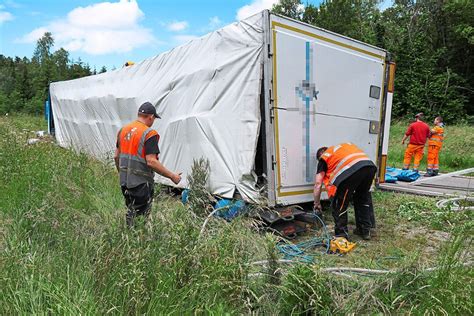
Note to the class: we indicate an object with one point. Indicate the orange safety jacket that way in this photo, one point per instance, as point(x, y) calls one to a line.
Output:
point(437, 136)
point(342, 161)
point(132, 158)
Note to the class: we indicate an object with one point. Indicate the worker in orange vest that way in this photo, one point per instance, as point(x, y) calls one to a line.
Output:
point(418, 132)
point(347, 173)
point(136, 159)
point(434, 146)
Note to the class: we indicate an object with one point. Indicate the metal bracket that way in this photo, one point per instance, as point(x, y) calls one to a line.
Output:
point(374, 127)
point(270, 54)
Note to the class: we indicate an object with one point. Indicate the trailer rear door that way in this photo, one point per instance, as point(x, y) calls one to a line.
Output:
point(326, 90)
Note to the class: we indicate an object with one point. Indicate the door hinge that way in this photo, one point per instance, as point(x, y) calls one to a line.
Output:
point(272, 116)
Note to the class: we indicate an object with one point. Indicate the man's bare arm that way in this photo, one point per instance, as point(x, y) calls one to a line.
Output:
point(158, 167)
point(404, 139)
point(318, 183)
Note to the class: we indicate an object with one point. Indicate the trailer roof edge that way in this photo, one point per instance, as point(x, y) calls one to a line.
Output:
point(330, 32)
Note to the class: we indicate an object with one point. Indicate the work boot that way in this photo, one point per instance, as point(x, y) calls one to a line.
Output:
point(373, 232)
point(429, 173)
point(365, 235)
point(435, 172)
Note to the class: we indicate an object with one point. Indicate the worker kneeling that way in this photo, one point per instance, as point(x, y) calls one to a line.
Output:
point(347, 172)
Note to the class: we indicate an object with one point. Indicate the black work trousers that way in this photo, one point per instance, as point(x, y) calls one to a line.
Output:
point(371, 213)
point(138, 200)
point(355, 188)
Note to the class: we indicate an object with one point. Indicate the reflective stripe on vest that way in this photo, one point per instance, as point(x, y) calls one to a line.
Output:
point(437, 138)
point(132, 160)
point(340, 159)
point(341, 167)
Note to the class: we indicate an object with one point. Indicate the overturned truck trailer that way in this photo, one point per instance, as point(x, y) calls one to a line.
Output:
point(257, 98)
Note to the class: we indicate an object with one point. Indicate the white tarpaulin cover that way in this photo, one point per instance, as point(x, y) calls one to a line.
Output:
point(206, 91)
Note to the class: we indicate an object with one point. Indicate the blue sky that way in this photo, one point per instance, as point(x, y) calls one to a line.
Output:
point(112, 32)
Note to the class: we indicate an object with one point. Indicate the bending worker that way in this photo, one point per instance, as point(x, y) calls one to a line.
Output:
point(434, 146)
point(418, 132)
point(347, 172)
point(136, 159)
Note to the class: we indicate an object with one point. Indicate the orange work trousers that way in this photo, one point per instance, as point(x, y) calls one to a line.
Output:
point(433, 157)
point(413, 150)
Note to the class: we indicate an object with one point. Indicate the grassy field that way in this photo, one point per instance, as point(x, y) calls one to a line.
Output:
point(65, 250)
point(457, 152)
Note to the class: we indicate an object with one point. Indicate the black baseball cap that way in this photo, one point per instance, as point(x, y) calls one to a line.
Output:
point(148, 108)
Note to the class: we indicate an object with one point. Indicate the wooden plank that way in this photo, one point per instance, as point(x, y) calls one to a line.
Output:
point(425, 191)
point(441, 176)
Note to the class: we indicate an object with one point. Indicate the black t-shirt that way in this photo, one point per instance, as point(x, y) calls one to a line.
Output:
point(151, 145)
point(322, 166)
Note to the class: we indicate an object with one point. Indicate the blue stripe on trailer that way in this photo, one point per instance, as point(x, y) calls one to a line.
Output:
point(307, 101)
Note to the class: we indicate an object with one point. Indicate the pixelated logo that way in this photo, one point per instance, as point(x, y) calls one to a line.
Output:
point(128, 136)
point(306, 94)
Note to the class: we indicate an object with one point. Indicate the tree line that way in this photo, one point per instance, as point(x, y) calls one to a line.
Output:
point(24, 82)
point(431, 41)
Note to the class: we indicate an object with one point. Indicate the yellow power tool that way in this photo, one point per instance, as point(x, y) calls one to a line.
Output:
point(341, 245)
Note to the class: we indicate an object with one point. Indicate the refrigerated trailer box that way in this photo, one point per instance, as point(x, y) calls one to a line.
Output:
point(257, 98)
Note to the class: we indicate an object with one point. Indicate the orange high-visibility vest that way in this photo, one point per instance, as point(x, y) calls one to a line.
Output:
point(342, 161)
point(132, 159)
point(437, 136)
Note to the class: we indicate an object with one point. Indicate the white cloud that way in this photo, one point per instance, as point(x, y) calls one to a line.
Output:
point(254, 7)
point(33, 36)
point(13, 4)
point(177, 26)
point(101, 28)
point(214, 22)
point(5, 16)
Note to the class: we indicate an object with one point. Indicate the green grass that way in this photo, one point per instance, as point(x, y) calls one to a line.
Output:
point(457, 152)
point(65, 250)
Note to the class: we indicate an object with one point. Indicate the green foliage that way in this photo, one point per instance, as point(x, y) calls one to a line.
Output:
point(431, 42)
point(289, 8)
point(4, 104)
point(426, 212)
point(445, 290)
point(66, 250)
point(199, 197)
point(307, 291)
point(24, 83)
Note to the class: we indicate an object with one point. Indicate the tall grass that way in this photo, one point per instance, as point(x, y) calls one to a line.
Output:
point(457, 152)
point(446, 290)
point(66, 250)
